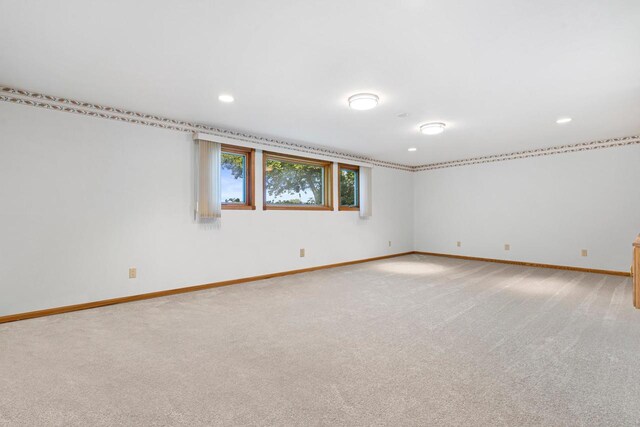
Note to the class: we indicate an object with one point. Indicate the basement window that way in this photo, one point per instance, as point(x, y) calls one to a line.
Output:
point(236, 177)
point(296, 183)
point(348, 183)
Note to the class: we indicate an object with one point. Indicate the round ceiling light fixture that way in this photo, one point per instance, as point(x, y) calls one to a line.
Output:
point(225, 98)
point(432, 128)
point(363, 101)
point(412, 149)
point(563, 120)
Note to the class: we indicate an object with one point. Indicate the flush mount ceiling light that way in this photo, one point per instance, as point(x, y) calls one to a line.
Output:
point(432, 128)
point(412, 149)
point(225, 98)
point(363, 101)
point(563, 120)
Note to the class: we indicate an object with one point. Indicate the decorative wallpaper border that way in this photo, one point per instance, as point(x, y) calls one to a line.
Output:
point(34, 99)
point(538, 152)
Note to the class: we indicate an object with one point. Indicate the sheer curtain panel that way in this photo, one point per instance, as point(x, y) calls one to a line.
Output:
point(208, 192)
point(365, 192)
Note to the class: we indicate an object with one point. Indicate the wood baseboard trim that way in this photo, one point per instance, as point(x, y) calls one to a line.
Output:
point(528, 264)
point(139, 297)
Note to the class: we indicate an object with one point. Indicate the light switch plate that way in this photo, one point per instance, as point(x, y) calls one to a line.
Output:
point(133, 273)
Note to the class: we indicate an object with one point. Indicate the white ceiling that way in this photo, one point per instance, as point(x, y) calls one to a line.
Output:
point(498, 72)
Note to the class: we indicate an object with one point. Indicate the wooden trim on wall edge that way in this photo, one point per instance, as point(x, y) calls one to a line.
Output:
point(529, 264)
point(139, 297)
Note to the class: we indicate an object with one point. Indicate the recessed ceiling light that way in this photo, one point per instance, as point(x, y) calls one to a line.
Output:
point(563, 120)
point(363, 101)
point(412, 149)
point(432, 128)
point(225, 98)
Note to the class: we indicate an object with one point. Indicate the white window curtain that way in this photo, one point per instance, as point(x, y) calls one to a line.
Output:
point(208, 192)
point(365, 192)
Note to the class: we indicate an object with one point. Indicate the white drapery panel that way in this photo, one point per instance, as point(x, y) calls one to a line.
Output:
point(365, 192)
point(208, 191)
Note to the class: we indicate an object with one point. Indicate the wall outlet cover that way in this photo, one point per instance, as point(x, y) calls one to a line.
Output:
point(133, 272)
point(302, 253)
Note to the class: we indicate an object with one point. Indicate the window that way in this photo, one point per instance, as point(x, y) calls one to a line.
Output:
point(348, 183)
point(297, 183)
point(236, 178)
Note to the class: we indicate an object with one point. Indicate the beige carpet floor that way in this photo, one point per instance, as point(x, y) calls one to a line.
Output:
point(414, 340)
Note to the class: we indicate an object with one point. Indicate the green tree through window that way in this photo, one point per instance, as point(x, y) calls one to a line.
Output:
point(236, 177)
point(296, 182)
point(294, 179)
point(349, 186)
point(233, 177)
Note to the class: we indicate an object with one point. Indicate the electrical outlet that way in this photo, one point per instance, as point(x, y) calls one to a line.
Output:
point(133, 272)
point(389, 243)
point(302, 253)
point(458, 244)
point(507, 247)
point(584, 252)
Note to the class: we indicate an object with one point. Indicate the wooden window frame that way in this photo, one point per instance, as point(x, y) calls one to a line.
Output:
point(250, 187)
point(357, 170)
point(328, 182)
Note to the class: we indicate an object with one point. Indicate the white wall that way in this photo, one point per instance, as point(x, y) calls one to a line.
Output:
point(547, 208)
point(83, 199)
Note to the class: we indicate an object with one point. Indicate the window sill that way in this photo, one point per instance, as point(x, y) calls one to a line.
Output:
point(296, 208)
point(238, 207)
point(349, 208)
